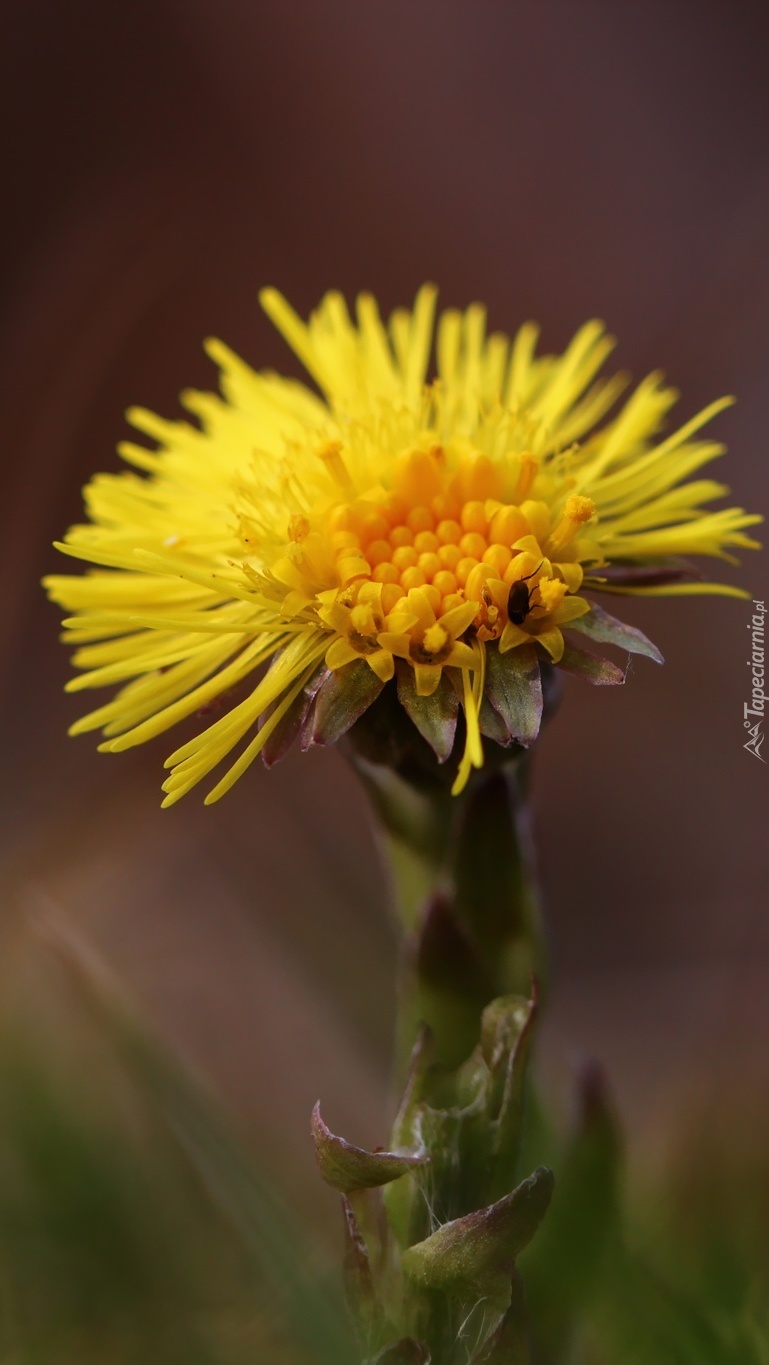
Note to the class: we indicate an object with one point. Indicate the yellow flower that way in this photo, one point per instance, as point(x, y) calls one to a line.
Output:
point(438, 530)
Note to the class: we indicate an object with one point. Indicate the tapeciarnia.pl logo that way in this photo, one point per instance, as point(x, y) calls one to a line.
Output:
point(753, 711)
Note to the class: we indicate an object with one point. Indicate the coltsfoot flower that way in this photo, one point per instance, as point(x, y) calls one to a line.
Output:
point(385, 525)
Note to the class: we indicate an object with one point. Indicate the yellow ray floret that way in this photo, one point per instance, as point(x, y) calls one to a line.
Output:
point(384, 518)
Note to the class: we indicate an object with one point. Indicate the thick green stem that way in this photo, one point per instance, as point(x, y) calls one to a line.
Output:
point(464, 889)
point(462, 879)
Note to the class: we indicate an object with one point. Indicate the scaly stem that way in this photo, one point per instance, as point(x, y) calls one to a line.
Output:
point(465, 893)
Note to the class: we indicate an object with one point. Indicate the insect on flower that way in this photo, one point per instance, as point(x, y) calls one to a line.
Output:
point(519, 598)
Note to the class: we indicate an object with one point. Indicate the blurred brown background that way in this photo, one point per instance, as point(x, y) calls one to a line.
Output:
point(558, 160)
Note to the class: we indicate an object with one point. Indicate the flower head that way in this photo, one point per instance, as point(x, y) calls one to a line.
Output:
point(380, 524)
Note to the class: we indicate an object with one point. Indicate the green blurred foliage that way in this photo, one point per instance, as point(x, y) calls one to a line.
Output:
point(109, 1247)
point(692, 1284)
point(135, 1230)
point(672, 1270)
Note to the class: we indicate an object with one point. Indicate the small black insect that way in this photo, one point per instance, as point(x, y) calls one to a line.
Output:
point(519, 598)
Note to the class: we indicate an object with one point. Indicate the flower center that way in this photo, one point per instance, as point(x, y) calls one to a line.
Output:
point(444, 533)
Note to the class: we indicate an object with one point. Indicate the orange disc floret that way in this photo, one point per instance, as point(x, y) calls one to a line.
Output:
point(450, 555)
point(386, 573)
point(507, 525)
point(420, 519)
point(405, 557)
point(497, 557)
point(374, 527)
point(430, 565)
point(449, 532)
point(378, 552)
point(400, 536)
point(473, 517)
point(425, 541)
point(465, 567)
point(413, 577)
point(445, 582)
point(473, 545)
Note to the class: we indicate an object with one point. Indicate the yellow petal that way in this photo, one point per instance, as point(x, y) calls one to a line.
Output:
point(427, 678)
point(512, 635)
point(397, 642)
point(552, 640)
point(382, 663)
point(339, 653)
point(462, 656)
point(569, 610)
point(401, 621)
point(528, 545)
point(420, 604)
point(456, 621)
point(572, 575)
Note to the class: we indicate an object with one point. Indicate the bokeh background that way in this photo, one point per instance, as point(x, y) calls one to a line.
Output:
point(164, 160)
